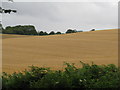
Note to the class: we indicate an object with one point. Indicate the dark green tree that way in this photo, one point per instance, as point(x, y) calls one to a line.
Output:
point(41, 33)
point(45, 33)
point(71, 31)
point(93, 30)
point(22, 30)
point(52, 33)
point(58, 33)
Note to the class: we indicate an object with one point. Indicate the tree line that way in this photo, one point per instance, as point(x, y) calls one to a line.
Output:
point(30, 30)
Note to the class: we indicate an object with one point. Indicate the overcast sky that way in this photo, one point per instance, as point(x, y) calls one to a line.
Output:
point(60, 16)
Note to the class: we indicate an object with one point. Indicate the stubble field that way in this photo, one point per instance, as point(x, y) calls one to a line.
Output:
point(19, 51)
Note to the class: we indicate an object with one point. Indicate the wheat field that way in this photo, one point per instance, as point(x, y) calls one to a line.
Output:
point(19, 51)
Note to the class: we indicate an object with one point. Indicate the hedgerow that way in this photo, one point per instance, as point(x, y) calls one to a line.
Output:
point(88, 77)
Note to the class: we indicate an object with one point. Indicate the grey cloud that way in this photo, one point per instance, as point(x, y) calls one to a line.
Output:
point(61, 16)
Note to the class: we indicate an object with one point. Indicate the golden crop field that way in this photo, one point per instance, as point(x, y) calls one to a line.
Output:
point(19, 51)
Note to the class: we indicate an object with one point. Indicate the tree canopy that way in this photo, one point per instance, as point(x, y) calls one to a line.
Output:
point(2, 10)
point(41, 33)
point(22, 30)
point(52, 33)
point(93, 30)
point(71, 31)
point(58, 33)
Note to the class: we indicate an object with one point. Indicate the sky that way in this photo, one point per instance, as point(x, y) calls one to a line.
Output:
point(60, 16)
